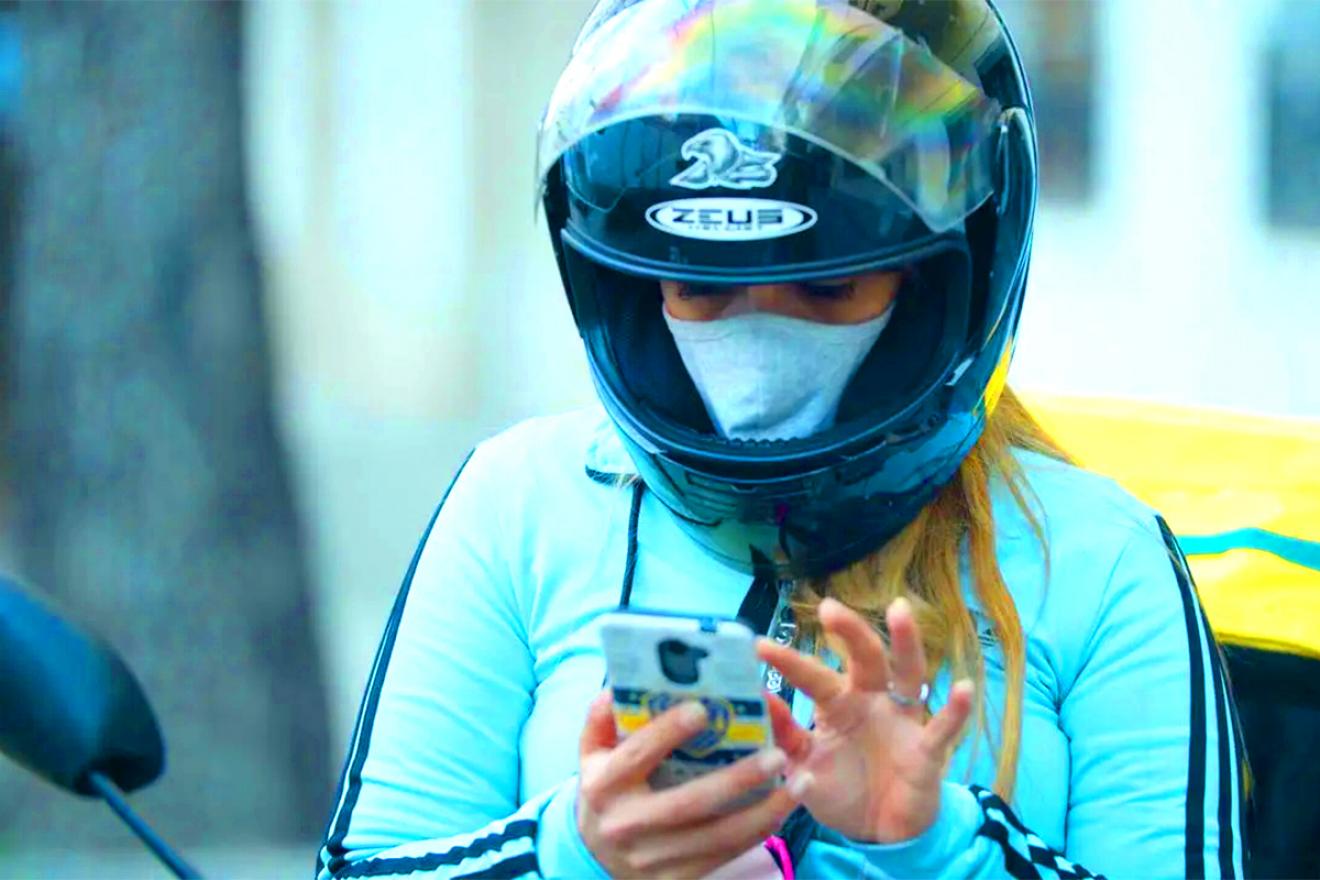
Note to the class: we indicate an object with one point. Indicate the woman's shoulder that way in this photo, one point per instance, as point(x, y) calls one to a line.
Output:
point(1107, 550)
point(536, 464)
point(1068, 499)
point(545, 446)
point(523, 489)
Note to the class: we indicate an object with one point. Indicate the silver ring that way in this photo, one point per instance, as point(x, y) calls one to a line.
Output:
point(905, 702)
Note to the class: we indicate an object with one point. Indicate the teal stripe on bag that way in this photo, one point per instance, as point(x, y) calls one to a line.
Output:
point(1294, 550)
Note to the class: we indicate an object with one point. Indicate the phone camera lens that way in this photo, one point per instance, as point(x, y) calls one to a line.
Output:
point(678, 661)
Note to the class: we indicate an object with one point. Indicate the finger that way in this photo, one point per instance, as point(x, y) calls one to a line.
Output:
point(634, 758)
point(942, 731)
point(696, 801)
point(867, 666)
point(789, 735)
point(807, 674)
point(702, 848)
point(599, 732)
point(907, 659)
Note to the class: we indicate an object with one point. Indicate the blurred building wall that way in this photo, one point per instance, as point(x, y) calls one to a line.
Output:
point(415, 299)
point(418, 308)
point(1170, 284)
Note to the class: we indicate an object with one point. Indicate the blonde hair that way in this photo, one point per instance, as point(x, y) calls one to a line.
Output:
point(922, 563)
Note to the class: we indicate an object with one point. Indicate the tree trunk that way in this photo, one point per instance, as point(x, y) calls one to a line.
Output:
point(150, 491)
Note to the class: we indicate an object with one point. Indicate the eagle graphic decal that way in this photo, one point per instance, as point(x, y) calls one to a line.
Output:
point(720, 159)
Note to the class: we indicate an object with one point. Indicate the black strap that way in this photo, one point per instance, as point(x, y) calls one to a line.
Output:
point(758, 610)
point(630, 564)
point(798, 830)
point(630, 561)
point(758, 606)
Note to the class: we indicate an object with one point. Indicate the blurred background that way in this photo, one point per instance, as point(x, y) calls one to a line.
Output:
point(268, 271)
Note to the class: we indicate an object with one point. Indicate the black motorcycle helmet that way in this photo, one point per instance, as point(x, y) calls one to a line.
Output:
point(744, 142)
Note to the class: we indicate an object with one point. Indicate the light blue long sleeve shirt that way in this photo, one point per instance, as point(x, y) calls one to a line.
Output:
point(464, 757)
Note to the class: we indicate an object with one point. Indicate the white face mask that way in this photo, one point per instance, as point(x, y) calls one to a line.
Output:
point(764, 376)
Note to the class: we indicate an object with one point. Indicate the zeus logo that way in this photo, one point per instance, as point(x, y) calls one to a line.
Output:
point(731, 219)
point(720, 159)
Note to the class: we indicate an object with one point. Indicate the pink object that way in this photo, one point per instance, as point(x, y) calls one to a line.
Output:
point(758, 863)
point(779, 849)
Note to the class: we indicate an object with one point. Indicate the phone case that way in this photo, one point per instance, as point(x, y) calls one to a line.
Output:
point(654, 661)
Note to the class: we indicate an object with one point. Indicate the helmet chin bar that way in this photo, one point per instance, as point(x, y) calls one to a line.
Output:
point(806, 525)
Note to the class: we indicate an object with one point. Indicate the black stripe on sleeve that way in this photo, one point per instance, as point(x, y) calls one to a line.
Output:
point(521, 829)
point(1231, 748)
point(1200, 640)
point(509, 869)
point(339, 792)
point(1232, 810)
point(1026, 856)
point(350, 783)
point(1231, 751)
point(1241, 764)
point(1242, 790)
point(1225, 818)
point(1018, 866)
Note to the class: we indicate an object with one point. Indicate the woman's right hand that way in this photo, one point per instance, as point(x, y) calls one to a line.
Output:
point(635, 831)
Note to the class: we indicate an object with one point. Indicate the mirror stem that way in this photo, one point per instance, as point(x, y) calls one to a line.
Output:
point(106, 789)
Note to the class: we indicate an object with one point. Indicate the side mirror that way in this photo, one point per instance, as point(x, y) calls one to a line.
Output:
point(73, 713)
point(69, 707)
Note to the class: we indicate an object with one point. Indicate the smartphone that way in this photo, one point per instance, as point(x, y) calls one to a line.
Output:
point(656, 660)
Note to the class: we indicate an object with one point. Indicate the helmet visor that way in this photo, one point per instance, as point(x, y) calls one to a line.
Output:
point(820, 70)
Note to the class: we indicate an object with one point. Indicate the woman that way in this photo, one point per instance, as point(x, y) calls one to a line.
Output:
point(794, 235)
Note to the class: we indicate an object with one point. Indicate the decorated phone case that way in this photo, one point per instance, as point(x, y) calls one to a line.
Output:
point(657, 660)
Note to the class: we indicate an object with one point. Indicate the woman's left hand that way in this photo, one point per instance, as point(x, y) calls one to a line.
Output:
point(876, 762)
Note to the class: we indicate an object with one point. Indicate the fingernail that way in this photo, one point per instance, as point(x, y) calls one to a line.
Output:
point(772, 761)
point(693, 714)
point(799, 783)
point(900, 604)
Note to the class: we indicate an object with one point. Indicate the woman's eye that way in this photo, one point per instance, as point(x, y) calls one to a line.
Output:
point(691, 291)
point(829, 291)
